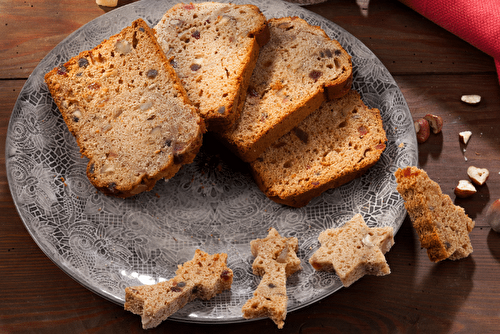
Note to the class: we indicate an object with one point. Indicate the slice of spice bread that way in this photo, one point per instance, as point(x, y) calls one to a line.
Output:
point(442, 226)
point(213, 48)
point(354, 250)
point(332, 146)
point(203, 277)
point(275, 260)
point(296, 71)
point(128, 111)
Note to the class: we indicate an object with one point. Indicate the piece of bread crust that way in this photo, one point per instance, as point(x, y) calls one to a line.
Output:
point(213, 47)
point(298, 69)
point(354, 250)
point(202, 277)
point(275, 260)
point(442, 226)
point(334, 145)
point(128, 111)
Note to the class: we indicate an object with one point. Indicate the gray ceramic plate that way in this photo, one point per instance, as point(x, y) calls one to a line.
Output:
point(107, 244)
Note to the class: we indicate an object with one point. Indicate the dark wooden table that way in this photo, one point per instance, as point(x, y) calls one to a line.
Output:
point(432, 67)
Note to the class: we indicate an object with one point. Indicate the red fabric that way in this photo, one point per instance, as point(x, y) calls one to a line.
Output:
point(475, 21)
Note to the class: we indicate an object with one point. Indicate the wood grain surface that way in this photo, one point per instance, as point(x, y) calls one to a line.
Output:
point(432, 67)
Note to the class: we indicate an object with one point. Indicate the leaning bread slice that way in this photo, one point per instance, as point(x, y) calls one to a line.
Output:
point(128, 111)
point(297, 70)
point(442, 226)
point(213, 48)
point(332, 146)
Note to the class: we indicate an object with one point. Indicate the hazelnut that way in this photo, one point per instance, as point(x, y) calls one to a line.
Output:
point(471, 99)
point(465, 189)
point(368, 241)
point(493, 215)
point(422, 129)
point(122, 46)
point(107, 3)
point(478, 175)
point(435, 122)
point(465, 136)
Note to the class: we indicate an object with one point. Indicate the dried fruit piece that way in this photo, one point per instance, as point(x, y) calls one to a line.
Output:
point(435, 122)
point(195, 67)
point(196, 34)
point(83, 62)
point(465, 189)
point(315, 75)
point(62, 70)
point(151, 74)
point(465, 136)
point(493, 215)
point(478, 175)
point(422, 129)
point(471, 99)
point(221, 110)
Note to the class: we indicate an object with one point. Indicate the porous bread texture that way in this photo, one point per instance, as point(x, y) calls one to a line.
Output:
point(442, 226)
point(275, 260)
point(213, 47)
point(334, 145)
point(128, 111)
point(354, 250)
point(298, 69)
point(202, 277)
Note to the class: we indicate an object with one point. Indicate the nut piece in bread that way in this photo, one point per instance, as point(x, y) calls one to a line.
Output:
point(443, 227)
point(202, 277)
point(298, 69)
point(128, 111)
point(334, 145)
point(354, 250)
point(275, 260)
point(213, 47)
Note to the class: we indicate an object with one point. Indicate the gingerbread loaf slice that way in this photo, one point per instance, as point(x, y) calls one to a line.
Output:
point(213, 48)
point(128, 111)
point(332, 146)
point(296, 71)
point(442, 226)
point(202, 277)
point(354, 250)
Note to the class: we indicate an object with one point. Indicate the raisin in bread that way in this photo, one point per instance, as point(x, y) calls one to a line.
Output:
point(354, 250)
point(296, 71)
point(213, 48)
point(332, 146)
point(128, 111)
point(275, 260)
point(203, 277)
point(443, 227)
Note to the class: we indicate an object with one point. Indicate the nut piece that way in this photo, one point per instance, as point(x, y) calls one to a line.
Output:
point(465, 136)
point(107, 3)
point(422, 129)
point(478, 175)
point(435, 122)
point(471, 99)
point(493, 215)
point(465, 189)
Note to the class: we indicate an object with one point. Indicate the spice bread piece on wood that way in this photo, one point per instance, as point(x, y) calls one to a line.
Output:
point(203, 277)
point(296, 71)
point(275, 260)
point(128, 111)
point(334, 145)
point(213, 47)
point(442, 226)
point(354, 250)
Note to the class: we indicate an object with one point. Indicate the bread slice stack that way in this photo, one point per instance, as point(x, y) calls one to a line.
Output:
point(303, 130)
